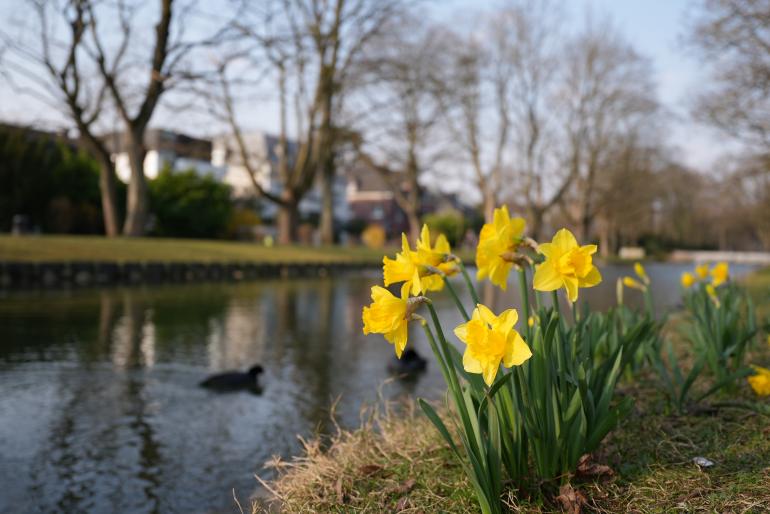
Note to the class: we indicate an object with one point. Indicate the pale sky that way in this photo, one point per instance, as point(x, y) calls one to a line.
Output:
point(653, 27)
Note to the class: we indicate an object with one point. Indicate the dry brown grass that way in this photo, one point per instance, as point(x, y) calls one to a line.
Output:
point(393, 462)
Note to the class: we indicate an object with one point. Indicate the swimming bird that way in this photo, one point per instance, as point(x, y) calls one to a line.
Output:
point(410, 363)
point(235, 381)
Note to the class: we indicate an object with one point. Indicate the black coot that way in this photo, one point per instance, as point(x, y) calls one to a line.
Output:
point(410, 363)
point(235, 381)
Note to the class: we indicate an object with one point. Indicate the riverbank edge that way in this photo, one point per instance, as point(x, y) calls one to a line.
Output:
point(399, 462)
point(56, 274)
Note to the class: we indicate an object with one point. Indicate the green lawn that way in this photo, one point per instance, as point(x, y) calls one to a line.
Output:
point(95, 248)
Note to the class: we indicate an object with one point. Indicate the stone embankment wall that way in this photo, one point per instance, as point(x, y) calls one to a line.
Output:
point(19, 275)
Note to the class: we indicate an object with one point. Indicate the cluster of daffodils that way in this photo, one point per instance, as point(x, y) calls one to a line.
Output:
point(490, 340)
point(719, 275)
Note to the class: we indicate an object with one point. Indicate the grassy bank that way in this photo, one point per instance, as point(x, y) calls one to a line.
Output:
point(93, 248)
point(400, 463)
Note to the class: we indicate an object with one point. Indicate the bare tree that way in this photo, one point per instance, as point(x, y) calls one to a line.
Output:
point(107, 36)
point(476, 108)
point(397, 114)
point(310, 48)
point(245, 68)
point(335, 32)
point(527, 35)
point(734, 37)
point(51, 69)
point(606, 95)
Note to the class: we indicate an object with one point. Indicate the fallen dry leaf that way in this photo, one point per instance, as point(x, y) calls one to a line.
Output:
point(587, 467)
point(369, 469)
point(402, 504)
point(406, 486)
point(571, 500)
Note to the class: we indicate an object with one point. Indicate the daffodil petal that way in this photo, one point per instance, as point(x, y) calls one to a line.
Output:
point(593, 278)
point(517, 352)
point(486, 314)
point(506, 320)
point(571, 284)
point(461, 331)
point(470, 364)
point(564, 241)
point(490, 372)
point(546, 277)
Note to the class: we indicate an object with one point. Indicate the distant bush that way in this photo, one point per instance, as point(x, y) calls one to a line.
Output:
point(52, 184)
point(186, 204)
point(242, 223)
point(373, 236)
point(451, 223)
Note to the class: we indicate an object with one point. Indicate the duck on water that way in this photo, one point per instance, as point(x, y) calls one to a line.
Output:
point(235, 381)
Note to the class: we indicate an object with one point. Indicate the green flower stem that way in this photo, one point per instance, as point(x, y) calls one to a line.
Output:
point(445, 348)
point(468, 282)
point(456, 298)
point(436, 352)
point(555, 301)
point(524, 291)
point(648, 302)
point(575, 312)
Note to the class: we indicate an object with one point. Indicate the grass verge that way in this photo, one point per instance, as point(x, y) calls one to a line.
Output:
point(400, 463)
point(95, 248)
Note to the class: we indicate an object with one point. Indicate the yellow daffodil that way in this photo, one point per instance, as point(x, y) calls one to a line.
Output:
point(634, 284)
point(438, 256)
point(497, 242)
point(531, 322)
point(712, 292)
point(388, 315)
point(641, 273)
point(760, 381)
point(720, 273)
point(566, 265)
point(688, 280)
point(489, 340)
point(413, 267)
point(702, 271)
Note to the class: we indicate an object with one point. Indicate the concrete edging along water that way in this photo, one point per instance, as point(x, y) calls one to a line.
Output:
point(21, 275)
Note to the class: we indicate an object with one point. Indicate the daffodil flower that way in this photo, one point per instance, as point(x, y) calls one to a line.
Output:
point(490, 340)
point(388, 315)
point(438, 256)
point(634, 284)
point(418, 269)
point(712, 292)
point(688, 280)
point(720, 273)
point(641, 273)
point(702, 271)
point(566, 265)
point(497, 242)
point(760, 381)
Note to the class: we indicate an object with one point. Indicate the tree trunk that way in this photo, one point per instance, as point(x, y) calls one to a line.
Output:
point(414, 225)
point(137, 204)
point(536, 216)
point(109, 207)
point(489, 205)
point(288, 217)
point(106, 184)
point(327, 202)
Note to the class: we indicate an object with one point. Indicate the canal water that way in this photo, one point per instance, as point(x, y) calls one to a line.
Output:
point(100, 409)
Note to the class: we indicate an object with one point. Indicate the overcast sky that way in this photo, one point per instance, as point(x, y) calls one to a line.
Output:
point(653, 27)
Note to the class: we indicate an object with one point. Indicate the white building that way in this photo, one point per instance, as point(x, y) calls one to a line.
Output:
point(221, 158)
point(164, 148)
point(263, 154)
